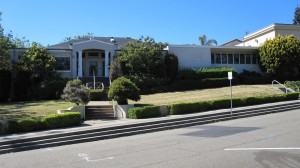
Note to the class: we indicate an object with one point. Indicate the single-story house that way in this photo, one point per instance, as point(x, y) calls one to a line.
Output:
point(92, 55)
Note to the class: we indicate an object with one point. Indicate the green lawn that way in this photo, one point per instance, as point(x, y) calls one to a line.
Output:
point(31, 108)
point(208, 94)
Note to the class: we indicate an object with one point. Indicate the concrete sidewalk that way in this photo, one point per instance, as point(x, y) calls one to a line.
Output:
point(96, 124)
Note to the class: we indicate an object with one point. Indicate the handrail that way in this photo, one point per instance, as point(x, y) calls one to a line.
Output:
point(293, 86)
point(96, 85)
point(286, 89)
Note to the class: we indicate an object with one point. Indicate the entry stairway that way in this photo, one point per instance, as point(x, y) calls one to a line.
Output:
point(52, 138)
point(99, 112)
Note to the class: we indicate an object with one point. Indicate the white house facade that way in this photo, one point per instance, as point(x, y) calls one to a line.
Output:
point(92, 55)
point(258, 38)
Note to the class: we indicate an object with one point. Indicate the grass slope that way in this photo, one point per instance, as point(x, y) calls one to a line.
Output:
point(208, 94)
point(31, 108)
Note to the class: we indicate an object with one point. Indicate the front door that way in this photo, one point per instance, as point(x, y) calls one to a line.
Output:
point(93, 68)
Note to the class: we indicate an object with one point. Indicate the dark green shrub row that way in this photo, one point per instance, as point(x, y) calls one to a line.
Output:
point(97, 95)
point(203, 73)
point(144, 112)
point(182, 108)
point(252, 77)
point(5, 81)
point(181, 85)
point(46, 122)
point(295, 85)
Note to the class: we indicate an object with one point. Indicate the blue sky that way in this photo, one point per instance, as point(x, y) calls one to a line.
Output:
point(173, 21)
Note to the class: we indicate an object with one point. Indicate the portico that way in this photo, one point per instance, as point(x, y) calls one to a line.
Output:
point(92, 57)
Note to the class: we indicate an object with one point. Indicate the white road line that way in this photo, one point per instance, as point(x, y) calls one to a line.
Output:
point(86, 157)
point(252, 149)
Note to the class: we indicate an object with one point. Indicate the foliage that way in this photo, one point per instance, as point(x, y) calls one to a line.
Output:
point(203, 73)
point(171, 62)
point(144, 112)
point(296, 19)
point(122, 89)
point(97, 95)
point(38, 62)
point(142, 56)
point(5, 63)
point(182, 108)
point(61, 120)
point(295, 85)
point(1, 29)
point(252, 77)
point(116, 70)
point(209, 42)
point(281, 56)
point(5, 84)
point(52, 88)
point(46, 122)
point(75, 92)
point(89, 34)
point(145, 81)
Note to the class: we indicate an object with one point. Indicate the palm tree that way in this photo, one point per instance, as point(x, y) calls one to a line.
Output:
point(209, 42)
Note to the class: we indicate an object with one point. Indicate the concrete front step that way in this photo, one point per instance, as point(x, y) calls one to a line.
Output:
point(144, 126)
point(99, 112)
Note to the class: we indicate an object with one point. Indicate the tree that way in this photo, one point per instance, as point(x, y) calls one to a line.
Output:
point(123, 89)
point(209, 42)
point(1, 29)
point(75, 92)
point(38, 61)
point(296, 19)
point(281, 56)
point(89, 34)
point(143, 56)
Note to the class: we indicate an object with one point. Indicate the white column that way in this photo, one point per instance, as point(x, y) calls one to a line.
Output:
point(80, 63)
point(106, 70)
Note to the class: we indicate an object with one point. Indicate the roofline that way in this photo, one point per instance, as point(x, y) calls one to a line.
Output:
point(232, 41)
point(85, 41)
point(215, 47)
point(269, 29)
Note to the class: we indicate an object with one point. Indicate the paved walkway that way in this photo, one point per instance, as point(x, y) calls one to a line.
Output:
point(95, 124)
point(99, 103)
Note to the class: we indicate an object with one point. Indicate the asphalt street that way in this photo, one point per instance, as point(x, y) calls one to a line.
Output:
point(267, 141)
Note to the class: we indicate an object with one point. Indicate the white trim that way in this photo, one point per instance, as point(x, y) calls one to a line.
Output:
point(65, 71)
point(86, 41)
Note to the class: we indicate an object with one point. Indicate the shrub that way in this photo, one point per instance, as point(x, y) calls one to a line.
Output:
point(145, 81)
point(75, 92)
point(171, 62)
point(144, 112)
point(61, 120)
point(46, 122)
point(116, 69)
point(190, 74)
point(295, 85)
point(97, 95)
point(52, 88)
point(5, 80)
point(220, 72)
point(248, 77)
point(122, 89)
point(182, 108)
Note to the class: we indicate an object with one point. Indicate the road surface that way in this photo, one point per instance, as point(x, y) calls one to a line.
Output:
point(264, 141)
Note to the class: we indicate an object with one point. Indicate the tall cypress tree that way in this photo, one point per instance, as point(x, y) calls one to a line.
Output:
point(297, 16)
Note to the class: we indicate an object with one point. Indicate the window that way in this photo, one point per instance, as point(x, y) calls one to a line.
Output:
point(230, 59)
point(224, 58)
point(62, 63)
point(93, 54)
point(242, 58)
point(218, 58)
point(248, 59)
point(254, 59)
point(236, 59)
point(212, 57)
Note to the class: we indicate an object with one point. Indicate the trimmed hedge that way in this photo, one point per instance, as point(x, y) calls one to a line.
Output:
point(46, 122)
point(144, 112)
point(97, 95)
point(183, 108)
point(204, 73)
